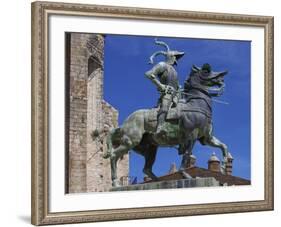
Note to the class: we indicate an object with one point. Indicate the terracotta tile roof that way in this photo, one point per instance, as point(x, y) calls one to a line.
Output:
point(202, 172)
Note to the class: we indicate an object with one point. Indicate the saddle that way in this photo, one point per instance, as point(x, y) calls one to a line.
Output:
point(175, 113)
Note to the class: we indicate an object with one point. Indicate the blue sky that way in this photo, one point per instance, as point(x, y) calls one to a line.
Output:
point(127, 89)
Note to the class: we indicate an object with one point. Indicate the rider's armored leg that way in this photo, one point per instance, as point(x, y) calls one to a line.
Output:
point(164, 107)
point(160, 122)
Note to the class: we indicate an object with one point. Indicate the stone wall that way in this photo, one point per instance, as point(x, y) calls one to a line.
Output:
point(180, 183)
point(86, 111)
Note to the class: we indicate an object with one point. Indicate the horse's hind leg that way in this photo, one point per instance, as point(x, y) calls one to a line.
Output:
point(113, 164)
point(150, 155)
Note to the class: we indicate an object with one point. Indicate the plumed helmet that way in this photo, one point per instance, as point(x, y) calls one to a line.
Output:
point(168, 53)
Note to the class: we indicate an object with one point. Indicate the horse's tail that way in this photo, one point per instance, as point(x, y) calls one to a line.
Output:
point(109, 139)
point(114, 137)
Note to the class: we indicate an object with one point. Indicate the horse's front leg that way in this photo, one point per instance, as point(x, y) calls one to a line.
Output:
point(185, 159)
point(215, 142)
point(187, 152)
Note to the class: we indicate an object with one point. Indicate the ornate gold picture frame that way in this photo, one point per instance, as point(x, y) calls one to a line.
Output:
point(42, 213)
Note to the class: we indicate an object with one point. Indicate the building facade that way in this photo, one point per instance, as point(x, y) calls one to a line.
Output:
point(87, 112)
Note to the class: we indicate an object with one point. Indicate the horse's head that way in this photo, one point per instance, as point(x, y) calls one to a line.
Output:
point(205, 79)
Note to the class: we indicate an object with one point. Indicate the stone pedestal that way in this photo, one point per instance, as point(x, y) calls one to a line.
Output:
point(183, 183)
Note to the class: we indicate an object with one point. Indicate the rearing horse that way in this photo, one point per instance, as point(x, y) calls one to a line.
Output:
point(189, 121)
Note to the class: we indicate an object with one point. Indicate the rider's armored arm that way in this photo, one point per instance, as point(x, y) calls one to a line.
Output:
point(151, 74)
point(161, 87)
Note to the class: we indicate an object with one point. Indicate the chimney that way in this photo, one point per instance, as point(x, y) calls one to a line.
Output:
point(228, 165)
point(173, 168)
point(214, 163)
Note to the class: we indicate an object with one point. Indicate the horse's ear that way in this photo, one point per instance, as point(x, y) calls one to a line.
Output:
point(195, 68)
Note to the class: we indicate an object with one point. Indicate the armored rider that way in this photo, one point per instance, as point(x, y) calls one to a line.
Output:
point(165, 77)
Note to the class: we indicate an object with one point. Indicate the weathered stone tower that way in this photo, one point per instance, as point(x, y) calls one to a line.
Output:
point(87, 112)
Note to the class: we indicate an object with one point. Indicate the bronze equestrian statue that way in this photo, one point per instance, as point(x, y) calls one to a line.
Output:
point(184, 121)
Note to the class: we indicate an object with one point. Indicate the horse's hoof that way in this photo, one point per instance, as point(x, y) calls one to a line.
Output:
point(116, 183)
point(155, 179)
point(229, 157)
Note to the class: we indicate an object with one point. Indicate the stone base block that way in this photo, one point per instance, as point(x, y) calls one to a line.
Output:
point(183, 183)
